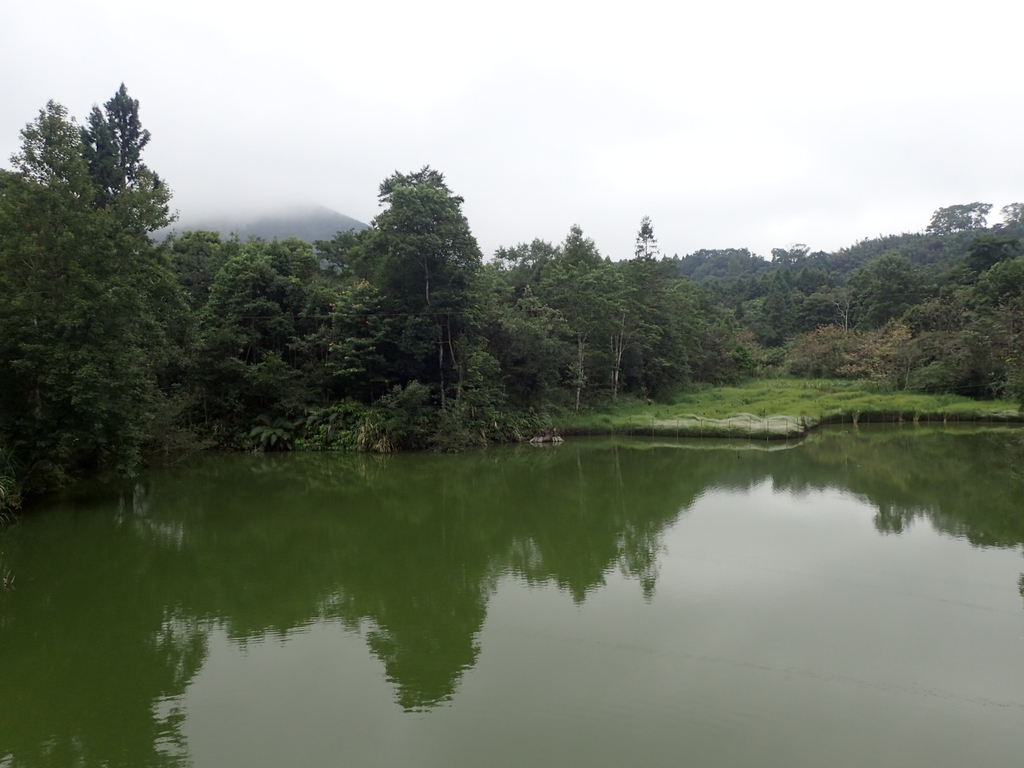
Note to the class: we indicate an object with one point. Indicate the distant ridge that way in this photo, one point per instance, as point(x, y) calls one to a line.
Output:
point(309, 224)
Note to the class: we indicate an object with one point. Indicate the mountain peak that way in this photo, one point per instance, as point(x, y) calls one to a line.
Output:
point(307, 223)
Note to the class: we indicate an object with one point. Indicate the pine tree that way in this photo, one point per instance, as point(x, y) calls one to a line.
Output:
point(112, 145)
point(646, 243)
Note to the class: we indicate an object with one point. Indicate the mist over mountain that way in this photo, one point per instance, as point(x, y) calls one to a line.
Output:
point(307, 223)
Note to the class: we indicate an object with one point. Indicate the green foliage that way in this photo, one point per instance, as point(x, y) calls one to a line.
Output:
point(88, 303)
point(196, 258)
point(112, 147)
point(334, 428)
point(344, 254)
point(821, 353)
point(777, 312)
point(1013, 214)
point(743, 360)
point(883, 357)
point(646, 242)
point(670, 318)
point(959, 218)
point(260, 345)
point(1003, 282)
point(274, 434)
point(988, 250)
point(579, 286)
point(526, 338)
point(10, 490)
point(885, 289)
point(578, 250)
point(724, 266)
point(525, 263)
point(1014, 384)
point(422, 248)
point(359, 336)
point(403, 419)
point(425, 262)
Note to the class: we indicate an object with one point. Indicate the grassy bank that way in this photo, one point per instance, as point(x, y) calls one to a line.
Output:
point(781, 408)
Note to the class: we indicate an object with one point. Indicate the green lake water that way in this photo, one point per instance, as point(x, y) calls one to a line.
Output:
point(855, 599)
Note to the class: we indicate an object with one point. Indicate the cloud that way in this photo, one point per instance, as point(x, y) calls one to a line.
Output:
point(736, 124)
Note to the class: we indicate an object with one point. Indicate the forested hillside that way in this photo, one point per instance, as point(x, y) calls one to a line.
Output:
point(938, 311)
point(403, 335)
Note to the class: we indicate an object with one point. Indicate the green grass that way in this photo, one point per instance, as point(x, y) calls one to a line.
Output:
point(761, 403)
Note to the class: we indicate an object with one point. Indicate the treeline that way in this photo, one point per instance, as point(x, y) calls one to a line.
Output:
point(402, 336)
point(399, 336)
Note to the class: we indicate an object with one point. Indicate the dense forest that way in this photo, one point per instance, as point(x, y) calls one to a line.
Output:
point(114, 342)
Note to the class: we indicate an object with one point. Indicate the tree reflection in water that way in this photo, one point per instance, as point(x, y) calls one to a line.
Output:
point(117, 595)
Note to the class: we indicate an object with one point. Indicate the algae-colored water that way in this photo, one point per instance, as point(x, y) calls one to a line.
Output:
point(854, 599)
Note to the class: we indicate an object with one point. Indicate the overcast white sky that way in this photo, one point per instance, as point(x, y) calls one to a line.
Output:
point(731, 124)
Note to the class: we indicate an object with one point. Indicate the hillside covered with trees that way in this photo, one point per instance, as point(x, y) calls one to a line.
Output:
point(402, 335)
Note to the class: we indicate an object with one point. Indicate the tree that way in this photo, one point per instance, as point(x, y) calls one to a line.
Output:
point(359, 330)
point(196, 257)
point(666, 330)
point(773, 318)
point(792, 257)
point(83, 322)
point(815, 310)
point(345, 255)
point(258, 334)
point(525, 336)
point(112, 145)
point(1013, 213)
point(821, 353)
point(424, 242)
point(577, 284)
point(885, 289)
point(1003, 283)
point(842, 301)
point(525, 263)
point(425, 262)
point(883, 356)
point(579, 250)
point(988, 250)
point(625, 305)
point(958, 218)
point(646, 242)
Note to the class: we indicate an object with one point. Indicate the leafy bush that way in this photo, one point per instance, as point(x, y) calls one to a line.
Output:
point(821, 353)
point(10, 489)
point(274, 434)
point(335, 428)
point(405, 418)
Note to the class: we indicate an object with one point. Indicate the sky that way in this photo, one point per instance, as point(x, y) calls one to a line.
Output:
point(753, 125)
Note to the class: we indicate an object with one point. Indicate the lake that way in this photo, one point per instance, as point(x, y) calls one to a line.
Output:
point(855, 599)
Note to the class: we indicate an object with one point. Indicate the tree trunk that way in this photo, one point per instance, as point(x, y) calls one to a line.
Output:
point(618, 347)
point(460, 371)
point(440, 360)
point(426, 279)
point(581, 378)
